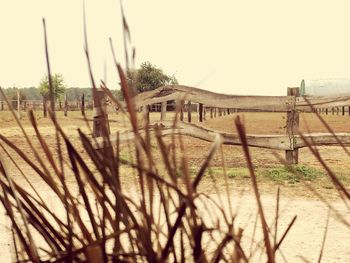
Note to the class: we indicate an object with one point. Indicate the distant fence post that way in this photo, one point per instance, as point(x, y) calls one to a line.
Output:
point(292, 127)
point(65, 105)
point(163, 110)
point(189, 110)
point(100, 119)
point(145, 110)
point(44, 107)
point(18, 104)
point(200, 112)
point(83, 104)
point(180, 108)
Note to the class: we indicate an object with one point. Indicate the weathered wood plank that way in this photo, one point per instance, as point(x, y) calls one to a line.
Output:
point(292, 127)
point(322, 139)
point(200, 112)
point(276, 142)
point(100, 125)
point(279, 142)
point(163, 110)
point(211, 99)
point(321, 102)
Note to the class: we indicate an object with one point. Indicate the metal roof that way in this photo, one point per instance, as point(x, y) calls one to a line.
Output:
point(325, 87)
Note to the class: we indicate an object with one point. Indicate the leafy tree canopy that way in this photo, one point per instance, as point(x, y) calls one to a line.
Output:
point(58, 86)
point(149, 77)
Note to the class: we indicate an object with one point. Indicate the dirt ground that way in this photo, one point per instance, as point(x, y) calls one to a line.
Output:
point(304, 239)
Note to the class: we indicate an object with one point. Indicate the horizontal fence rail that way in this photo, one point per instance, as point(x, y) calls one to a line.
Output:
point(276, 142)
point(258, 103)
point(211, 99)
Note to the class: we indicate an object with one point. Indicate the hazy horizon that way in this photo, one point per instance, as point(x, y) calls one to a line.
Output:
point(247, 48)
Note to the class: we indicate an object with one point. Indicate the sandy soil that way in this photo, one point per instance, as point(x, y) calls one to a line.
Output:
point(304, 239)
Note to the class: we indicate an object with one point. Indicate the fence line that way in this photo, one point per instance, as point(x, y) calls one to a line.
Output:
point(221, 104)
point(211, 105)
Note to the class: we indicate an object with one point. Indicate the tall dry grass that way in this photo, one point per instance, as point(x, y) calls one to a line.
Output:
point(162, 221)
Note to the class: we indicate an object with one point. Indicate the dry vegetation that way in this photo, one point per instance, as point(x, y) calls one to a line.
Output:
point(296, 197)
point(171, 199)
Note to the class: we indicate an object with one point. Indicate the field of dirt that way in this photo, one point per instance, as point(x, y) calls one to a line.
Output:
point(304, 239)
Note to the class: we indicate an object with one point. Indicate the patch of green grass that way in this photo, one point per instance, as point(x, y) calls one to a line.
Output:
point(299, 173)
point(236, 172)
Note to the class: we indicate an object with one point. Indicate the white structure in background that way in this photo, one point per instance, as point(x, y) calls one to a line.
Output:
point(325, 87)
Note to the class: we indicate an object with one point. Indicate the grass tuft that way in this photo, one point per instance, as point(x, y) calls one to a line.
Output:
point(301, 173)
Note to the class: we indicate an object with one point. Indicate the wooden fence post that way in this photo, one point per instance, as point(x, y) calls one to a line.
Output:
point(100, 119)
point(189, 117)
point(145, 110)
point(44, 107)
point(18, 104)
point(292, 127)
point(211, 113)
point(180, 104)
point(83, 105)
point(163, 110)
point(65, 105)
point(200, 112)
point(343, 110)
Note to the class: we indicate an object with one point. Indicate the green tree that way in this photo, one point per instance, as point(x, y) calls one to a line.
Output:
point(148, 77)
point(58, 86)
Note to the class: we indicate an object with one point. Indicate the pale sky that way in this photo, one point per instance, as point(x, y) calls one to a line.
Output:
point(227, 46)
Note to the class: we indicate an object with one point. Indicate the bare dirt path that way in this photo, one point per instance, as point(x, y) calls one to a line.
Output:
point(303, 240)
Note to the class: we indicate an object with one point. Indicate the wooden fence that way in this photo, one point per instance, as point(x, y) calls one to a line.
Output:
point(74, 105)
point(211, 105)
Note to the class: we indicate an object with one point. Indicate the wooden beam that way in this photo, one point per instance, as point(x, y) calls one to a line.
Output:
point(211, 99)
point(324, 102)
point(163, 110)
point(323, 139)
point(145, 111)
point(100, 118)
point(19, 104)
point(65, 105)
point(200, 112)
point(279, 142)
point(276, 142)
point(83, 105)
point(292, 128)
